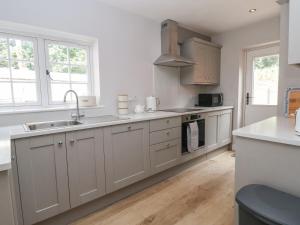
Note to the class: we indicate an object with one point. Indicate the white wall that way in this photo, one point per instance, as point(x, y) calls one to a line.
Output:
point(233, 43)
point(289, 75)
point(128, 45)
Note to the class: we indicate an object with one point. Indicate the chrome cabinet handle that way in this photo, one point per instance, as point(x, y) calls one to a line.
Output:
point(60, 143)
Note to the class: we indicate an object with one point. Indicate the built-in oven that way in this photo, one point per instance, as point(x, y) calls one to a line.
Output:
point(186, 120)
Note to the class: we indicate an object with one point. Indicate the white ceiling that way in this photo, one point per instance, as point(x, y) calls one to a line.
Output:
point(208, 16)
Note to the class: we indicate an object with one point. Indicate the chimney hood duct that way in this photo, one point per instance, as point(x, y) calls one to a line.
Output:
point(169, 47)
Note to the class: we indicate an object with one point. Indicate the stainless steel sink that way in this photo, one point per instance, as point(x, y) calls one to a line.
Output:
point(50, 125)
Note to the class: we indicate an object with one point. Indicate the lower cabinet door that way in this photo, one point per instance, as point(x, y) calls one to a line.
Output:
point(211, 131)
point(164, 155)
point(43, 178)
point(225, 128)
point(126, 154)
point(85, 165)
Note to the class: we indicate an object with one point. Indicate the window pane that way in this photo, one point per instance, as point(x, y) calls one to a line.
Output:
point(78, 56)
point(60, 72)
point(5, 93)
point(58, 91)
point(69, 70)
point(22, 70)
point(81, 89)
point(265, 80)
point(79, 74)
point(21, 49)
point(25, 92)
point(58, 53)
point(3, 49)
point(4, 71)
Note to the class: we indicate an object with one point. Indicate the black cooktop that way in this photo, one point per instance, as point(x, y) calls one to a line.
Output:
point(181, 110)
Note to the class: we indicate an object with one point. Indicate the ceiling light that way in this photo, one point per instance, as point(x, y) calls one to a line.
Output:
point(252, 10)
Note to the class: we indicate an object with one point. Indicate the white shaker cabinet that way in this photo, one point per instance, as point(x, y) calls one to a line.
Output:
point(218, 128)
point(126, 154)
point(211, 131)
point(294, 32)
point(225, 127)
point(85, 156)
point(43, 178)
point(59, 172)
point(207, 58)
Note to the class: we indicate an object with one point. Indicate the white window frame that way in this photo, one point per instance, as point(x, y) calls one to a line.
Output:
point(36, 69)
point(47, 63)
point(41, 35)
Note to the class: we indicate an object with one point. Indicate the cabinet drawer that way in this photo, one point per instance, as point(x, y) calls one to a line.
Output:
point(166, 123)
point(164, 155)
point(165, 135)
point(128, 127)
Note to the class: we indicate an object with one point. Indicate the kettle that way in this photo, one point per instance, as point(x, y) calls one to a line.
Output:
point(152, 103)
point(297, 127)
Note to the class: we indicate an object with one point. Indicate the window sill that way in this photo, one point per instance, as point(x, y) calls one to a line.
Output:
point(44, 109)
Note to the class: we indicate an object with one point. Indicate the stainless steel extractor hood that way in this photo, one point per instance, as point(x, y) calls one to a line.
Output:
point(169, 47)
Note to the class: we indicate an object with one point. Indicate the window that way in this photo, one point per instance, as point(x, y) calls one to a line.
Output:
point(69, 69)
point(265, 80)
point(36, 71)
point(18, 74)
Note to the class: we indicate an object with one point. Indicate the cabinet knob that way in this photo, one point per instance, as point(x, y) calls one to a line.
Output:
point(168, 121)
point(129, 127)
point(168, 133)
point(60, 143)
point(72, 141)
point(168, 145)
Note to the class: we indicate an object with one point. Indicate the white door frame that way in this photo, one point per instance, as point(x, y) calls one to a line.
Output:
point(244, 72)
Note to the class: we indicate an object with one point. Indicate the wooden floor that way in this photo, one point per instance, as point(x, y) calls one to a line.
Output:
point(200, 195)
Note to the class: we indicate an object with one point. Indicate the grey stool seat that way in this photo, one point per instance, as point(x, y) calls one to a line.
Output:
point(268, 205)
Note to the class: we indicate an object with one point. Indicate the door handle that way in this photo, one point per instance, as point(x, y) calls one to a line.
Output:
point(248, 98)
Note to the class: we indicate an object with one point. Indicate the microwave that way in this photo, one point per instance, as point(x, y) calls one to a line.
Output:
point(210, 100)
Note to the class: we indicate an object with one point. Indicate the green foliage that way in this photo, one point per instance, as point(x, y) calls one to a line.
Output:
point(264, 62)
point(3, 48)
point(78, 69)
point(59, 68)
point(77, 56)
point(61, 54)
point(3, 64)
point(21, 50)
point(58, 53)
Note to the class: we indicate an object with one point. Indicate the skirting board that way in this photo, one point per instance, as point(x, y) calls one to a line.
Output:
point(96, 205)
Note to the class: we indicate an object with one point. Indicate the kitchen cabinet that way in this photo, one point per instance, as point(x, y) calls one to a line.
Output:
point(207, 58)
point(165, 143)
point(165, 155)
point(162, 124)
point(294, 32)
point(218, 128)
point(211, 131)
point(225, 127)
point(85, 156)
point(126, 154)
point(43, 177)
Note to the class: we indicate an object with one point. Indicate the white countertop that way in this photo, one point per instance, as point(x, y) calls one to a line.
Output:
point(274, 129)
point(15, 132)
